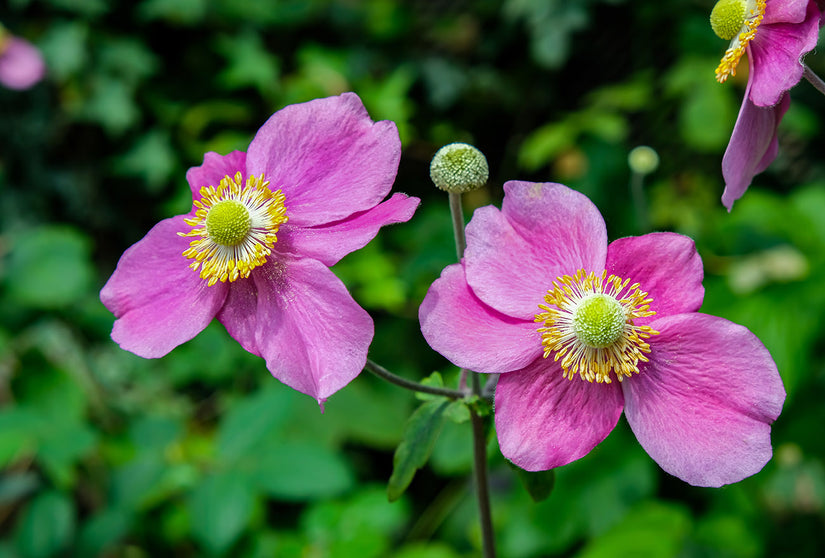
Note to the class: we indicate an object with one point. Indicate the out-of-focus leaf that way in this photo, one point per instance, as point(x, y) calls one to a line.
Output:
point(544, 144)
point(220, 508)
point(250, 421)
point(412, 453)
point(110, 103)
point(150, 159)
point(297, 471)
point(364, 525)
point(50, 267)
point(47, 526)
point(728, 535)
point(102, 530)
point(89, 8)
point(653, 530)
point(250, 64)
point(65, 48)
point(187, 12)
point(539, 484)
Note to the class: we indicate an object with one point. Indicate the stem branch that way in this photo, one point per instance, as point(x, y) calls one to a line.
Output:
point(814, 79)
point(382, 372)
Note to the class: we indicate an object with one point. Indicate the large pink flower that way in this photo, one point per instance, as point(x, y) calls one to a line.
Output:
point(581, 331)
point(254, 250)
point(21, 64)
point(776, 34)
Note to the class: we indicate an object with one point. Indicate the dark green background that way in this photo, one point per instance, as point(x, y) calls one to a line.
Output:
point(202, 452)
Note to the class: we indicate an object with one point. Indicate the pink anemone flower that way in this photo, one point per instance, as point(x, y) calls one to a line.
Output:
point(256, 247)
point(776, 34)
point(582, 331)
point(21, 64)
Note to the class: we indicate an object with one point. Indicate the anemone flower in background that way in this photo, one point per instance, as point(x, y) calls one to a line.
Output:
point(312, 179)
point(776, 34)
point(21, 64)
point(582, 331)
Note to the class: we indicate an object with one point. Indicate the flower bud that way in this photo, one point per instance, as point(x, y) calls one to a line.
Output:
point(643, 159)
point(458, 168)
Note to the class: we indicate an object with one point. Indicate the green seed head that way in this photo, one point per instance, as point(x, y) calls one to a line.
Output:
point(727, 18)
point(643, 159)
point(599, 321)
point(459, 167)
point(228, 222)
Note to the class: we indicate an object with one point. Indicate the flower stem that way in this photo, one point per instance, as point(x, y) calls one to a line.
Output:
point(813, 79)
point(382, 372)
point(480, 477)
point(479, 438)
point(458, 224)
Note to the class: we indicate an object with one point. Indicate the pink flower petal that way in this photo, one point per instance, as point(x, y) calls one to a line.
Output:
point(159, 302)
point(213, 169)
point(667, 267)
point(703, 405)
point(785, 11)
point(311, 332)
point(543, 231)
point(21, 64)
point(469, 333)
point(545, 421)
point(775, 56)
point(239, 314)
point(753, 146)
point(329, 243)
point(328, 157)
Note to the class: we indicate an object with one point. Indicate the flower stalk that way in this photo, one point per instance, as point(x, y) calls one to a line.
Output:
point(385, 374)
point(814, 79)
point(479, 438)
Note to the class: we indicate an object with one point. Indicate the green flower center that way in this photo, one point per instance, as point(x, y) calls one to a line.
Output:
point(599, 321)
point(228, 223)
point(727, 18)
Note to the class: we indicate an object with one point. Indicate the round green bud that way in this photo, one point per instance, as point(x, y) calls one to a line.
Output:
point(459, 167)
point(228, 222)
point(599, 321)
point(727, 18)
point(643, 159)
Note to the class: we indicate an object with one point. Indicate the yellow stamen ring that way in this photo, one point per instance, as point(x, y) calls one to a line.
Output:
point(747, 32)
point(588, 322)
point(235, 226)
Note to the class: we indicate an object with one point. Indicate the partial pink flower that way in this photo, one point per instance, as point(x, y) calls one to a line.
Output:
point(776, 35)
point(256, 247)
point(582, 330)
point(21, 64)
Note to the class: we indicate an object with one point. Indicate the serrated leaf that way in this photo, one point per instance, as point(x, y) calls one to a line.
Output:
point(458, 412)
point(414, 450)
point(539, 484)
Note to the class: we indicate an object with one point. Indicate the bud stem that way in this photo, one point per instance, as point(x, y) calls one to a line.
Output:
point(457, 214)
point(813, 79)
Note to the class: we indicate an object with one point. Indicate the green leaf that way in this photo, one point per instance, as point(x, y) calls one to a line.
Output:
point(250, 421)
point(47, 526)
point(150, 159)
point(50, 267)
point(422, 430)
point(652, 530)
point(300, 471)
point(458, 411)
point(103, 530)
point(220, 508)
point(539, 484)
point(433, 380)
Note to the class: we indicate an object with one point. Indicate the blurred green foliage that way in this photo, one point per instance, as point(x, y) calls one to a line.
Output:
point(202, 452)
